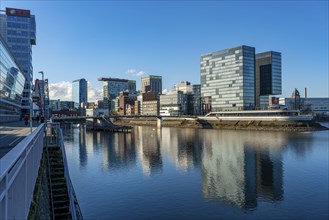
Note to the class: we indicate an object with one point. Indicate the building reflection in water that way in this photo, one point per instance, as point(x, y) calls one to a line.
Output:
point(148, 145)
point(182, 146)
point(237, 170)
point(83, 154)
point(119, 150)
point(237, 167)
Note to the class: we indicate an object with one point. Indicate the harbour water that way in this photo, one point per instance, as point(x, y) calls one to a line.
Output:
point(176, 173)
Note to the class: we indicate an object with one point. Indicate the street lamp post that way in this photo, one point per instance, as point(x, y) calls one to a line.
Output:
point(43, 96)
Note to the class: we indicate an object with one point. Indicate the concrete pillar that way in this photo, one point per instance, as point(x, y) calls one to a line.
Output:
point(159, 122)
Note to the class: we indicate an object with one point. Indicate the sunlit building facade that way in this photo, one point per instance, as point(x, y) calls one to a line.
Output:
point(18, 30)
point(112, 88)
point(152, 83)
point(228, 78)
point(11, 85)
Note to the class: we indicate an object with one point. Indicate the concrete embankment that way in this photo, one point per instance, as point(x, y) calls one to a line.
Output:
point(232, 125)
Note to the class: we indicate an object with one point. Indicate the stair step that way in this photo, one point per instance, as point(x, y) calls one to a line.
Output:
point(57, 191)
point(57, 172)
point(56, 184)
point(61, 205)
point(63, 209)
point(60, 195)
point(58, 178)
point(60, 201)
point(66, 215)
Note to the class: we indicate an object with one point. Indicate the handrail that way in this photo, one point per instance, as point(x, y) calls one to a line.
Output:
point(20, 165)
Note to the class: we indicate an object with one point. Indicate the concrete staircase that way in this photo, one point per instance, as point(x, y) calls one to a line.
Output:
point(59, 198)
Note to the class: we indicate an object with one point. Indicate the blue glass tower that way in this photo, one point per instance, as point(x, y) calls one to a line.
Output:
point(18, 30)
point(80, 95)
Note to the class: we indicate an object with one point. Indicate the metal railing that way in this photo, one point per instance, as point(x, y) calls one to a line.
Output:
point(18, 174)
point(55, 138)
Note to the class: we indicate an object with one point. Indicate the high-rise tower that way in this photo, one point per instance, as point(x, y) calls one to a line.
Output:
point(268, 77)
point(80, 95)
point(18, 29)
point(228, 78)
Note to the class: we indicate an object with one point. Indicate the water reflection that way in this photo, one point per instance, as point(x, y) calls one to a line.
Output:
point(239, 168)
point(183, 146)
point(148, 145)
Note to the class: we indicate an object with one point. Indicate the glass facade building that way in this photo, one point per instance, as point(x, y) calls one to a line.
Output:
point(152, 84)
point(132, 85)
point(228, 78)
point(18, 29)
point(112, 88)
point(196, 92)
point(80, 95)
point(11, 85)
point(267, 77)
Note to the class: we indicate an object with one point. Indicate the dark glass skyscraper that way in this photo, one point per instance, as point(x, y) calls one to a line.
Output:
point(267, 77)
point(80, 95)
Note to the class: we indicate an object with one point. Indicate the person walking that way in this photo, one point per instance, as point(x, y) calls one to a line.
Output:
point(26, 119)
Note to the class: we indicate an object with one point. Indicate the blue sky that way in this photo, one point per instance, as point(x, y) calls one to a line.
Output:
point(91, 39)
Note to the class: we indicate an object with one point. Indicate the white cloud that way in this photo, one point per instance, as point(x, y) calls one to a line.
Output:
point(94, 94)
point(63, 91)
point(134, 72)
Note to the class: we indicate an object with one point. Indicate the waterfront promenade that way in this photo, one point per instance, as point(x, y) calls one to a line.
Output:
point(11, 133)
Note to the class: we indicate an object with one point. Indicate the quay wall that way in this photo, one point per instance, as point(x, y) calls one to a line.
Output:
point(231, 125)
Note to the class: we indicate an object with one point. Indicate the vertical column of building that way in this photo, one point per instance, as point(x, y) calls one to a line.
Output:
point(248, 73)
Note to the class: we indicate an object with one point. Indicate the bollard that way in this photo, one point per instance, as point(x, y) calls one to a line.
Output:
point(159, 122)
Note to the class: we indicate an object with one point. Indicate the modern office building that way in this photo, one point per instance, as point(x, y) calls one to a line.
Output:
point(112, 88)
point(315, 106)
point(11, 85)
point(80, 95)
point(132, 85)
point(228, 78)
point(18, 29)
point(152, 83)
point(55, 105)
point(182, 99)
point(66, 105)
point(196, 92)
point(267, 77)
point(174, 103)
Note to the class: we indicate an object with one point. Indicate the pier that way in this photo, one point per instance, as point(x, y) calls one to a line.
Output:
point(103, 124)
